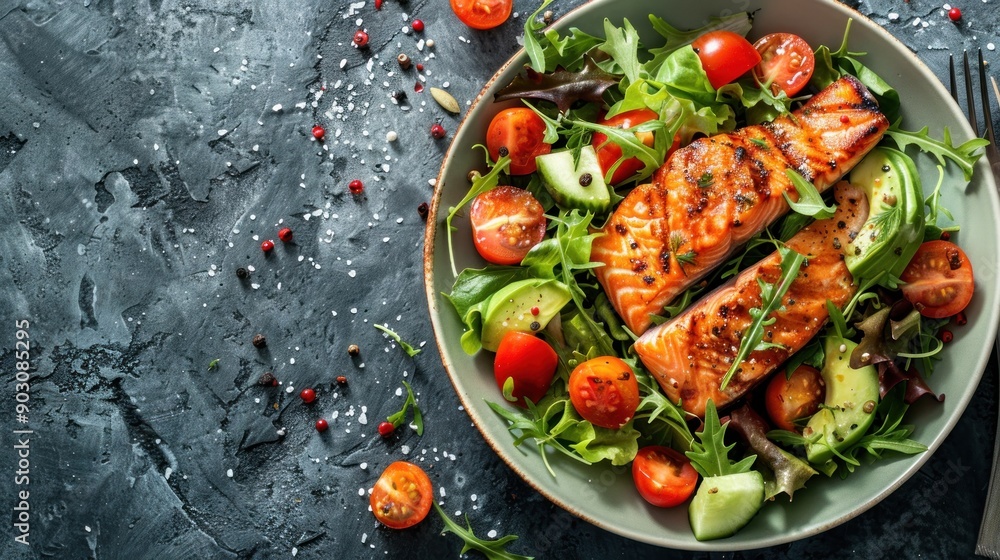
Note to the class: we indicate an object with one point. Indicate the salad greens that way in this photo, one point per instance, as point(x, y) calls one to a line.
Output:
point(618, 72)
point(491, 549)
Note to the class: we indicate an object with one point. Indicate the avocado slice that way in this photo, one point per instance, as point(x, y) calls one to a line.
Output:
point(510, 308)
point(849, 407)
point(579, 186)
point(895, 225)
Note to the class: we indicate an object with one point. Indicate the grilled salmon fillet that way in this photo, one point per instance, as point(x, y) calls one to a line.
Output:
point(690, 354)
point(716, 193)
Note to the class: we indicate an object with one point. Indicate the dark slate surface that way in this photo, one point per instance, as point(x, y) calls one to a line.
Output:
point(143, 158)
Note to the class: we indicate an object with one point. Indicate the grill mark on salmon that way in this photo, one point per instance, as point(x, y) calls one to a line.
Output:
point(716, 193)
point(690, 354)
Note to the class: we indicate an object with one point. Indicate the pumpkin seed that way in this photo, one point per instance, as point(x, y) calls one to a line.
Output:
point(445, 100)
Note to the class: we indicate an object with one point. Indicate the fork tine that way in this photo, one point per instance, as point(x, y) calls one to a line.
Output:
point(985, 94)
point(953, 86)
point(968, 93)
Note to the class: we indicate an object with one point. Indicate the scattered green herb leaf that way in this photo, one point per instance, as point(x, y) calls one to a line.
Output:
point(399, 417)
point(493, 550)
point(410, 350)
point(213, 365)
point(770, 300)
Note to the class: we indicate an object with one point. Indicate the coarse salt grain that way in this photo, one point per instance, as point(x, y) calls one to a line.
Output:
point(229, 473)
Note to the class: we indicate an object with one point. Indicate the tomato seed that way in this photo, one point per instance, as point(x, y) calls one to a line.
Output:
point(307, 395)
point(360, 38)
point(285, 234)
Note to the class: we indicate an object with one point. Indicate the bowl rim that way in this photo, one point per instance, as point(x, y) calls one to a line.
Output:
point(915, 461)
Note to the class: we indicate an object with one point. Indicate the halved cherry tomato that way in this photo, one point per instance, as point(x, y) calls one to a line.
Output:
point(402, 495)
point(786, 62)
point(789, 398)
point(725, 56)
point(519, 131)
point(506, 223)
point(482, 14)
point(604, 391)
point(663, 476)
point(939, 280)
point(608, 152)
point(529, 361)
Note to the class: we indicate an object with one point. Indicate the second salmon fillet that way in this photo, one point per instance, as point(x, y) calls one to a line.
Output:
point(690, 354)
point(716, 193)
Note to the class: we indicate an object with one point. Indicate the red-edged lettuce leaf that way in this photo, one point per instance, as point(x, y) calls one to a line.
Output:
point(561, 87)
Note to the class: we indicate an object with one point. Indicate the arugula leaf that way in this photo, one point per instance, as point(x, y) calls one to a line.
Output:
point(481, 185)
point(655, 406)
point(534, 41)
point(933, 203)
point(830, 66)
point(622, 43)
point(770, 300)
point(709, 454)
point(810, 202)
point(963, 155)
point(410, 350)
point(567, 52)
point(399, 417)
point(493, 550)
point(739, 23)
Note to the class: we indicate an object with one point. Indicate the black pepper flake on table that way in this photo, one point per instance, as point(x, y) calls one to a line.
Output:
point(149, 151)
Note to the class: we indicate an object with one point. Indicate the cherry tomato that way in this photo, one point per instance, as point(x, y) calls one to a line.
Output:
point(482, 14)
point(604, 391)
point(519, 131)
point(789, 398)
point(938, 279)
point(529, 361)
point(725, 56)
point(506, 223)
point(663, 476)
point(402, 495)
point(608, 153)
point(786, 62)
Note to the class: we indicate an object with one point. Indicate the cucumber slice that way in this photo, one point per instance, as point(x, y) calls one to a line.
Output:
point(575, 186)
point(725, 504)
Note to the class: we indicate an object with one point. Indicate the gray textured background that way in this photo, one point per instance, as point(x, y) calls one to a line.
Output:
point(142, 161)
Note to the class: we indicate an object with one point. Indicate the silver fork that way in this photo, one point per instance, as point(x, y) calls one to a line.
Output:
point(989, 531)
